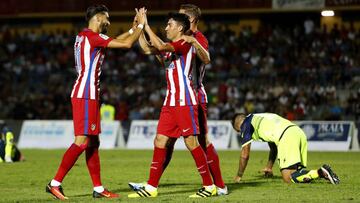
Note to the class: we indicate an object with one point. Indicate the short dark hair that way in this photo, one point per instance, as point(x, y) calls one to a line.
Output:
point(182, 19)
point(235, 116)
point(192, 10)
point(93, 10)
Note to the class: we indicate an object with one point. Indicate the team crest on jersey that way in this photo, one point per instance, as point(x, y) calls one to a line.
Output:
point(93, 126)
point(103, 36)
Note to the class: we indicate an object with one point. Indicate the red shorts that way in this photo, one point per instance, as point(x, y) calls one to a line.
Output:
point(86, 116)
point(203, 118)
point(176, 121)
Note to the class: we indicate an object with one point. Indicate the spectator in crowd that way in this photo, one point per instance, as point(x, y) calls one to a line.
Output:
point(309, 75)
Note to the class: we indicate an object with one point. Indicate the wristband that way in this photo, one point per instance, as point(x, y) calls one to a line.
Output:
point(131, 31)
point(141, 26)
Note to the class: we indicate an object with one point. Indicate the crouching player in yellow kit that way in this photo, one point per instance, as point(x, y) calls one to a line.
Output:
point(8, 151)
point(291, 146)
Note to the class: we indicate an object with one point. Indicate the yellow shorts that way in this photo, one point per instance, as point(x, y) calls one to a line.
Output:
point(292, 148)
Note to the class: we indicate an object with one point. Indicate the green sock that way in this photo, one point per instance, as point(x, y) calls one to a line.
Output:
point(304, 176)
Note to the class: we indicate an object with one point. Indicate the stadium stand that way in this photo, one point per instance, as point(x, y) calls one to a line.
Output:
point(301, 70)
point(279, 68)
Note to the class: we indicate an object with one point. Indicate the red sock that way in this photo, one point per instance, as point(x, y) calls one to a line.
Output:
point(69, 159)
point(156, 168)
point(214, 165)
point(200, 160)
point(93, 164)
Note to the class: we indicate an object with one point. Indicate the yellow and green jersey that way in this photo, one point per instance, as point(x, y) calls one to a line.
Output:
point(267, 127)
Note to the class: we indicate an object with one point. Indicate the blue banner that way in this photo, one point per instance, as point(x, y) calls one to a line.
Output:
point(326, 131)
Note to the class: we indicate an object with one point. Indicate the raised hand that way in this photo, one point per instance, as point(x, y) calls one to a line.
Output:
point(141, 13)
point(136, 18)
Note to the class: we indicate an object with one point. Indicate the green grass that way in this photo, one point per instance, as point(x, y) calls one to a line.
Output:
point(25, 182)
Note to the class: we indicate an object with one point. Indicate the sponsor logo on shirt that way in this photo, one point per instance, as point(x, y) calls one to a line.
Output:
point(103, 36)
point(171, 66)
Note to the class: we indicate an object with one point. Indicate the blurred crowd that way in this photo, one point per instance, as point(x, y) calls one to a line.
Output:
point(299, 72)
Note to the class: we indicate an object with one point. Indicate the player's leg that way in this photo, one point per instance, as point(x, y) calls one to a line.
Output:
point(92, 150)
point(292, 157)
point(69, 158)
point(324, 171)
point(81, 128)
point(296, 174)
point(93, 165)
point(187, 119)
point(16, 154)
point(2, 150)
point(210, 151)
point(208, 189)
point(156, 169)
point(9, 144)
point(166, 130)
point(169, 151)
point(306, 176)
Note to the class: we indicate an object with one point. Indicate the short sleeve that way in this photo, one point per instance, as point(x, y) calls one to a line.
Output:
point(246, 131)
point(202, 41)
point(100, 40)
point(180, 48)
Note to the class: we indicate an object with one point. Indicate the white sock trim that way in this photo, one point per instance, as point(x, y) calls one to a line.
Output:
point(55, 183)
point(211, 187)
point(99, 189)
point(150, 188)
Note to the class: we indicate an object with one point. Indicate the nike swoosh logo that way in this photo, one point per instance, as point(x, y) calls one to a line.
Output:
point(185, 130)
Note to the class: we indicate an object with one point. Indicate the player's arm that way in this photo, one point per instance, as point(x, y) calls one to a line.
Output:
point(201, 52)
point(146, 46)
point(244, 158)
point(157, 43)
point(149, 49)
point(125, 35)
point(267, 171)
point(126, 40)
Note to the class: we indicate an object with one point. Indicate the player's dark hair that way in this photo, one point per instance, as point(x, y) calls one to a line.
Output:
point(192, 10)
point(93, 10)
point(235, 116)
point(180, 18)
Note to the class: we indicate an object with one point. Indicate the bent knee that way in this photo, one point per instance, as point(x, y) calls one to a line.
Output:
point(160, 141)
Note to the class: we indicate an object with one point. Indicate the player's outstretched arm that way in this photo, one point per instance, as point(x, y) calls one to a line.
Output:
point(156, 42)
point(146, 46)
point(201, 52)
point(267, 171)
point(126, 40)
point(149, 49)
point(244, 157)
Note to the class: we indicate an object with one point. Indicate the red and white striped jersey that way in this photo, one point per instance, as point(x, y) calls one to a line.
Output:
point(89, 51)
point(179, 65)
point(199, 71)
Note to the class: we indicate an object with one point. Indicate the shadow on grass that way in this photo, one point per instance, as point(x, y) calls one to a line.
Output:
point(255, 181)
point(268, 178)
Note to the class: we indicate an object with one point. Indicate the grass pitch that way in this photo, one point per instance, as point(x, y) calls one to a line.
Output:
point(25, 182)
